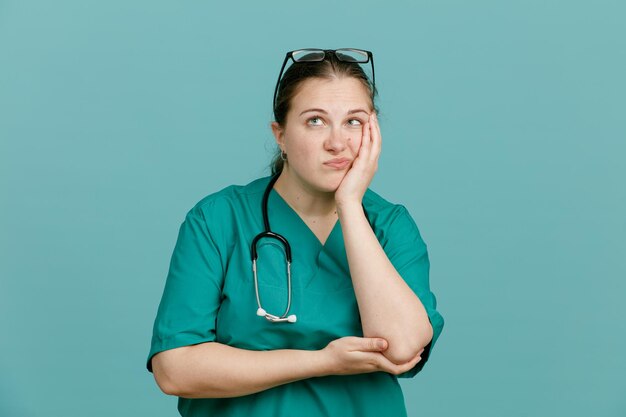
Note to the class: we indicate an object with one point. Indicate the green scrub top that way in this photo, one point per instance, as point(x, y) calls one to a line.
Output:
point(209, 296)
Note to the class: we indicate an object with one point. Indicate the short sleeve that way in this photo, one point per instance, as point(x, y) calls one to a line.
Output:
point(408, 253)
point(191, 298)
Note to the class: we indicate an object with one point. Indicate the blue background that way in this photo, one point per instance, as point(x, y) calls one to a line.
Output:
point(503, 134)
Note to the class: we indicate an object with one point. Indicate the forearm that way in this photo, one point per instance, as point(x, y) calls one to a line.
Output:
point(387, 305)
point(215, 370)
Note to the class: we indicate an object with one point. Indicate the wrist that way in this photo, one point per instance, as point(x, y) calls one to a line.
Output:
point(349, 209)
point(347, 204)
point(321, 363)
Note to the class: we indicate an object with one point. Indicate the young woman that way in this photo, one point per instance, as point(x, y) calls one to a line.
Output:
point(303, 293)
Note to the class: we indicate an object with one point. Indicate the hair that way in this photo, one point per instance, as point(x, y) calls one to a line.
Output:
point(330, 68)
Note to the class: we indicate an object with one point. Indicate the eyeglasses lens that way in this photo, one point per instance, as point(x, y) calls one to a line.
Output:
point(348, 55)
point(351, 55)
point(307, 55)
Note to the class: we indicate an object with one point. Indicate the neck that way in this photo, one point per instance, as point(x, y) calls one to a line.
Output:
point(303, 199)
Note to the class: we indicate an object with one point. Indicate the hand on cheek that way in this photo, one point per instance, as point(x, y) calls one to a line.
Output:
point(363, 168)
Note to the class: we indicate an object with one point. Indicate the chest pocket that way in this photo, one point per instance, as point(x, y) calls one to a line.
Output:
point(272, 277)
point(271, 264)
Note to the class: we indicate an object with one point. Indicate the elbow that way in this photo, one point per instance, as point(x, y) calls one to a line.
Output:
point(400, 353)
point(175, 372)
point(161, 364)
point(403, 349)
point(167, 388)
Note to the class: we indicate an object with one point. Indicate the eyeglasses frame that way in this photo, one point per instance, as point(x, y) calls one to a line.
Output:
point(370, 59)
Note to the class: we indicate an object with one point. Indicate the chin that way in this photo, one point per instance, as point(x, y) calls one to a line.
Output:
point(330, 186)
point(323, 182)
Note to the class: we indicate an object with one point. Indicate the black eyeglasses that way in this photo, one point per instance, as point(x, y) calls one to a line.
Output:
point(359, 56)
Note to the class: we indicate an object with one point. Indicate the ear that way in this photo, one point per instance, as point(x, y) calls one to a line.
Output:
point(278, 133)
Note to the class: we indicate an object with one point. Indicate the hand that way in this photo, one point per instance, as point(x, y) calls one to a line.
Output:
point(358, 355)
point(364, 166)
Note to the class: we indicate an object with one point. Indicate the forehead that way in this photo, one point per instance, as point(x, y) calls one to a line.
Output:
point(331, 93)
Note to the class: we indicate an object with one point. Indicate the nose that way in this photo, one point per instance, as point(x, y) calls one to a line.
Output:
point(337, 140)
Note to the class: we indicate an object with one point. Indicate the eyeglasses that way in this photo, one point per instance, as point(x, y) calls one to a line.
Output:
point(315, 55)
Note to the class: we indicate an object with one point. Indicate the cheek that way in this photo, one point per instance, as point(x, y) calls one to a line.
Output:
point(303, 151)
point(355, 143)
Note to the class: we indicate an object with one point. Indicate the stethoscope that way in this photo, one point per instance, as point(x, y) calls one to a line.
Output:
point(268, 233)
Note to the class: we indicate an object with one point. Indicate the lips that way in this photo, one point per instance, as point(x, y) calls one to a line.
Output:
point(338, 162)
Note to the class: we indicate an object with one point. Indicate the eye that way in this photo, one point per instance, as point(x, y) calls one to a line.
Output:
point(350, 121)
point(314, 118)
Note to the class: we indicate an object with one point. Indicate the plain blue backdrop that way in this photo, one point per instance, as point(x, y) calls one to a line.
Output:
point(503, 134)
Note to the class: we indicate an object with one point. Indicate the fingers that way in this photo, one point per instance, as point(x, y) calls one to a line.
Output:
point(371, 141)
point(398, 369)
point(395, 369)
point(376, 344)
point(353, 355)
point(376, 138)
point(370, 144)
point(369, 344)
point(366, 144)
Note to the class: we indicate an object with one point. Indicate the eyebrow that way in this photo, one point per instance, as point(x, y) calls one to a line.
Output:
point(325, 112)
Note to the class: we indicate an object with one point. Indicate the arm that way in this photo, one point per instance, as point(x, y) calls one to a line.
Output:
point(216, 370)
point(387, 305)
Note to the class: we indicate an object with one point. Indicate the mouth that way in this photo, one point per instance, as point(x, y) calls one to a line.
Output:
point(338, 163)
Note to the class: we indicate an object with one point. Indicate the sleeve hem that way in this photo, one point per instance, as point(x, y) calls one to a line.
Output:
point(173, 343)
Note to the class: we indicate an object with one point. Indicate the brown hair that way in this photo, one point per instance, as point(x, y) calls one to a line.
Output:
point(299, 72)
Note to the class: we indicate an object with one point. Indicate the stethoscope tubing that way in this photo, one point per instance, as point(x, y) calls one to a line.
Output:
point(254, 255)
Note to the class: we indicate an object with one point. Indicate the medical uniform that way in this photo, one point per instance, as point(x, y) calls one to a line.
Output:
point(209, 296)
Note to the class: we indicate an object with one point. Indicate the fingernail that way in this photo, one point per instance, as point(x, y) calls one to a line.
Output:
point(381, 344)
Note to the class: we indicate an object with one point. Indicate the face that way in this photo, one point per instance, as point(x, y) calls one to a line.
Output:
point(325, 122)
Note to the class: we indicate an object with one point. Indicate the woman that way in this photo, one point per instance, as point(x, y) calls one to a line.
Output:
point(359, 313)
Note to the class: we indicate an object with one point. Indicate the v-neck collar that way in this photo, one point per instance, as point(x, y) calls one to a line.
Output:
point(303, 224)
point(313, 261)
